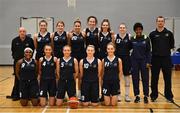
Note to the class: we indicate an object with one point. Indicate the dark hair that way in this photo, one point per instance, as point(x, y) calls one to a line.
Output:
point(159, 17)
point(77, 21)
point(58, 22)
point(137, 25)
point(43, 21)
point(92, 17)
point(106, 20)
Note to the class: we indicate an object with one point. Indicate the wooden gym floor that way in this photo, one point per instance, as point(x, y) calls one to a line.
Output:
point(161, 106)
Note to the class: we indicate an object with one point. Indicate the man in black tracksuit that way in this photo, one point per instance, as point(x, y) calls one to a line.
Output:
point(162, 42)
point(17, 47)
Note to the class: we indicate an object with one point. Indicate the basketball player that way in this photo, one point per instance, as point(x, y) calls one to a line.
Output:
point(41, 39)
point(112, 71)
point(26, 72)
point(123, 47)
point(140, 59)
point(47, 76)
point(59, 39)
point(92, 33)
point(105, 36)
point(67, 70)
point(90, 74)
point(77, 42)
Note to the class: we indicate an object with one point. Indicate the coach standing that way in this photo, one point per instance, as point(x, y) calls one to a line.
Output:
point(162, 42)
point(17, 47)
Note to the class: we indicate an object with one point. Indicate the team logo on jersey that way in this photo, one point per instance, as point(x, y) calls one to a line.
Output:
point(74, 38)
point(17, 43)
point(44, 64)
point(39, 39)
point(27, 44)
point(115, 64)
point(95, 34)
point(86, 65)
point(108, 38)
point(166, 34)
point(126, 41)
point(94, 66)
point(144, 42)
point(22, 65)
point(156, 36)
point(52, 64)
point(32, 65)
point(47, 39)
point(55, 38)
point(70, 64)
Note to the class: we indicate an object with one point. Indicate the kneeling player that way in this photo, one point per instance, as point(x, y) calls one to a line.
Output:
point(112, 70)
point(90, 69)
point(65, 68)
point(26, 72)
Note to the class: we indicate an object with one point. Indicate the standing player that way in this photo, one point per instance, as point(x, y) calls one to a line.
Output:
point(47, 76)
point(105, 36)
point(140, 59)
point(123, 46)
point(90, 72)
point(59, 39)
point(162, 42)
point(17, 47)
point(112, 70)
point(77, 42)
point(67, 70)
point(92, 33)
point(41, 39)
point(26, 72)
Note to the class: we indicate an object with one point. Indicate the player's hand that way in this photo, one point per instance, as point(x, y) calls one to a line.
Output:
point(148, 65)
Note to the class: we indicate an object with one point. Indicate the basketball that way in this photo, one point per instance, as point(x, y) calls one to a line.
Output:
point(73, 103)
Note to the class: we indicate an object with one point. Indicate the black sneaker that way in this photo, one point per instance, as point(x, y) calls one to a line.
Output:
point(15, 99)
point(145, 99)
point(153, 99)
point(170, 100)
point(137, 99)
point(8, 97)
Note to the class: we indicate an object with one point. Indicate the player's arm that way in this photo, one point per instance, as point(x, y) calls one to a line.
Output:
point(18, 64)
point(35, 40)
point(58, 68)
point(102, 72)
point(36, 62)
point(39, 70)
point(120, 68)
point(76, 68)
point(100, 75)
point(113, 36)
point(69, 36)
point(52, 40)
point(81, 70)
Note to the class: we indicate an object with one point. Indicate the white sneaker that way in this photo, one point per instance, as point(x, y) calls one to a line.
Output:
point(119, 98)
point(127, 98)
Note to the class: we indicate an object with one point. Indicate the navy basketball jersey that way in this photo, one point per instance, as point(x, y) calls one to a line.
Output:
point(92, 37)
point(41, 42)
point(48, 68)
point(28, 70)
point(78, 46)
point(66, 69)
point(59, 42)
point(111, 69)
point(123, 45)
point(90, 70)
point(103, 41)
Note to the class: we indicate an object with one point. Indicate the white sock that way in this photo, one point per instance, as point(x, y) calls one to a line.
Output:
point(127, 85)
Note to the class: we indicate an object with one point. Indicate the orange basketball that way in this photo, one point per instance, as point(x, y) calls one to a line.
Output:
point(73, 103)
